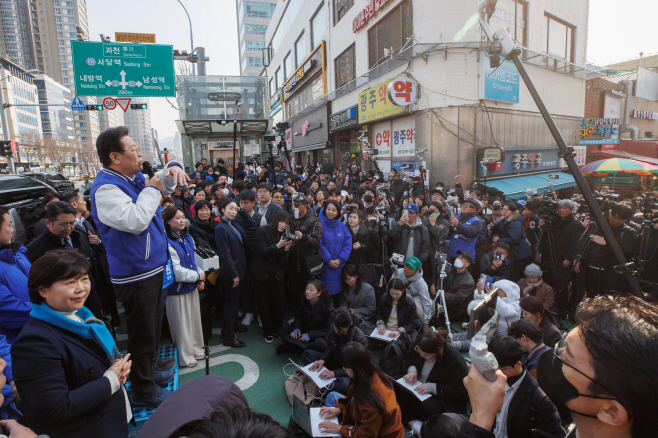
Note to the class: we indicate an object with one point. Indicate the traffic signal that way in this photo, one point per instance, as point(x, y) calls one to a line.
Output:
point(5, 148)
point(138, 106)
point(94, 107)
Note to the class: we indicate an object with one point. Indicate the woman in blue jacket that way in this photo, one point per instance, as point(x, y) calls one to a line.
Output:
point(511, 230)
point(15, 305)
point(183, 309)
point(335, 248)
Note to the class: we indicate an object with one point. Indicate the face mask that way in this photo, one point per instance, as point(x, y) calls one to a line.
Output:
point(496, 207)
point(214, 210)
point(556, 386)
point(458, 263)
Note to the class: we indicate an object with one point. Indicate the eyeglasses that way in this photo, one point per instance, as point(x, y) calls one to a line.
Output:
point(65, 225)
point(423, 355)
point(467, 206)
point(557, 353)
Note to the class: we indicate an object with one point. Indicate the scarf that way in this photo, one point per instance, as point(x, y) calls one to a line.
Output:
point(92, 328)
point(530, 287)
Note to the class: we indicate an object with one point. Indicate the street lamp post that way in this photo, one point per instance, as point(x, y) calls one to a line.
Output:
point(191, 37)
point(3, 118)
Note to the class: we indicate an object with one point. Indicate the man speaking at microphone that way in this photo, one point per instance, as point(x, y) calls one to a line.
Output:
point(126, 209)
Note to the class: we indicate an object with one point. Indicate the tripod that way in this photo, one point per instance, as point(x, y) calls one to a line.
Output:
point(440, 262)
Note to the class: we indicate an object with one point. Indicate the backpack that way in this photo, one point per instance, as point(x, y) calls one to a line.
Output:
point(392, 359)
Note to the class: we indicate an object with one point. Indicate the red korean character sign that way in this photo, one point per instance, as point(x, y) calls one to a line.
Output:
point(382, 139)
point(402, 91)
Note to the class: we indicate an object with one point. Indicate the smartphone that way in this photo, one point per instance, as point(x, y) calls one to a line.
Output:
point(435, 214)
point(405, 213)
point(498, 256)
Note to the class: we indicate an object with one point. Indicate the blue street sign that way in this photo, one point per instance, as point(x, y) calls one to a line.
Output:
point(77, 105)
point(501, 84)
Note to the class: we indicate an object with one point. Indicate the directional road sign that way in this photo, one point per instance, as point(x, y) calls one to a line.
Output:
point(123, 70)
point(77, 105)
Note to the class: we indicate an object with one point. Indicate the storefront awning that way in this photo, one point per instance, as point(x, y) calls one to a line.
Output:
point(515, 187)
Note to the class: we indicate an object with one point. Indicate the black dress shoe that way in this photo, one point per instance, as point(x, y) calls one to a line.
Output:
point(240, 328)
point(235, 343)
point(165, 363)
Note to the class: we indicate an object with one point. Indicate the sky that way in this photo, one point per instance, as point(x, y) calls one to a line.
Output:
point(617, 31)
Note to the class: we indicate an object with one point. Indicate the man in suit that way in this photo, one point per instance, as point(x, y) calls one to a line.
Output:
point(266, 208)
point(525, 406)
point(61, 233)
point(247, 200)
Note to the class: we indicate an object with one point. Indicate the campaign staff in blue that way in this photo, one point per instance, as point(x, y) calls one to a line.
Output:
point(125, 207)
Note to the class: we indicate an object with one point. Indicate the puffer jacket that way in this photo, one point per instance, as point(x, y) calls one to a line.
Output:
point(417, 290)
point(458, 288)
point(336, 244)
point(507, 307)
point(513, 233)
point(203, 231)
point(15, 305)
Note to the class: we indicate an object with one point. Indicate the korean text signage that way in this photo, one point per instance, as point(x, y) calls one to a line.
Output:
point(375, 104)
point(524, 160)
point(367, 13)
point(129, 70)
point(594, 129)
point(397, 136)
point(122, 37)
point(224, 97)
point(307, 71)
point(343, 118)
point(402, 91)
point(220, 144)
point(501, 84)
point(637, 114)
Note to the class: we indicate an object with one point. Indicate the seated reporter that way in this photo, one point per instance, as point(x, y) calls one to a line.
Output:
point(441, 368)
point(358, 295)
point(66, 365)
point(369, 408)
point(496, 263)
point(416, 287)
point(529, 335)
point(458, 287)
point(533, 310)
point(533, 285)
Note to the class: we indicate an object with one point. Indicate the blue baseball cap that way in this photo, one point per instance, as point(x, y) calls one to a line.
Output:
point(413, 208)
point(521, 202)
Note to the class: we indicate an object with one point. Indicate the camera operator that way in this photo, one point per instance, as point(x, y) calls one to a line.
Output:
point(566, 233)
point(599, 262)
point(409, 237)
point(531, 222)
point(465, 229)
point(496, 263)
point(308, 231)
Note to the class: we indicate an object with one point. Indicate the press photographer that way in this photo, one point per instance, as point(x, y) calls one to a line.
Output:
point(409, 237)
point(465, 229)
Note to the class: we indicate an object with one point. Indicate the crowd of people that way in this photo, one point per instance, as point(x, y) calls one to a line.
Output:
point(351, 256)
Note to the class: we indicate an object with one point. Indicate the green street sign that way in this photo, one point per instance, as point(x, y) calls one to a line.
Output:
point(123, 70)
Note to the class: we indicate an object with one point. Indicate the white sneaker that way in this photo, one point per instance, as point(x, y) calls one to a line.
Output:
point(465, 325)
point(246, 321)
point(290, 321)
point(260, 323)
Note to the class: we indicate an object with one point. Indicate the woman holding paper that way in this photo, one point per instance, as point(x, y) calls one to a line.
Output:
point(441, 369)
point(369, 409)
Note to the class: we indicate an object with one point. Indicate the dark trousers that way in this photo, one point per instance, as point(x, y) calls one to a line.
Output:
point(341, 384)
point(298, 346)
point(158, 323)
point(561, 295)
point(413, 409)
point(141, 302)
point(296, 282)
point(271, 300)
point(231, 307)
point(248, 299)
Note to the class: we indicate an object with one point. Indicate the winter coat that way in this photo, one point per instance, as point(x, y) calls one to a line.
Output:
point(543, 292)
point(15, 305)
point(314, 321)
point(400, 235)
point(250, 231)
point(336, 244)
point(203, 231)
point(551, 335)
point(458, 288)
point(311, 228)
point(500, 273)
point(513, 233)
point(336, 343)
point(566, 234)
point(417, 290)
point(266, 257)
point(519, 416)
point(507, 307)
point(407, 316)
point(363, 302)
point(437, 234)
point(367, 238)
point(232, 250)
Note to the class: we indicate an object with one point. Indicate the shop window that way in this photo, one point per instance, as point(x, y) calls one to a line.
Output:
point(345, 67)
point(391, 32)
point(560, 38)
point(340, 9)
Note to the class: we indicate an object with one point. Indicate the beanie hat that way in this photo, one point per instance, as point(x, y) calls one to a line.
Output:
point(533, 270)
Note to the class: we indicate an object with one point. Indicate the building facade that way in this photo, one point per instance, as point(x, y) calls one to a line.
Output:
point(17, 43)
point(332, 65)
point(139, 123)
point(56, 120)
point(253, 17)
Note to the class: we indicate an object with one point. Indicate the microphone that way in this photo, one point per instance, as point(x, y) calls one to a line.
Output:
point(147, 169)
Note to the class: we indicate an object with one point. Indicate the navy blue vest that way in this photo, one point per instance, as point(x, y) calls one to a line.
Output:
point(185, 250)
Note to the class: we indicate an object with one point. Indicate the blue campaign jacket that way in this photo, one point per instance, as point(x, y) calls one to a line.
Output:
point(15, 305)
point(185, 251)
point(466, 236)
point(336, 244)
point(132, 257)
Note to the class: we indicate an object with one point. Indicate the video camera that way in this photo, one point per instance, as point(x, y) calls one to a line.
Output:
point(647, 203)
point(547, 210)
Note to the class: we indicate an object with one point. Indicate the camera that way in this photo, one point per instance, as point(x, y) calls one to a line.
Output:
point(547, 211)
point(287, 235)
point(352, 209)
point(383, 209)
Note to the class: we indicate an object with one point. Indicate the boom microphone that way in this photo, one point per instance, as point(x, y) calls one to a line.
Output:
point(147, 168)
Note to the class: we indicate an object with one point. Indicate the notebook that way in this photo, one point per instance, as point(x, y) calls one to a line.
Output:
point(375, 335)
point(411, 388)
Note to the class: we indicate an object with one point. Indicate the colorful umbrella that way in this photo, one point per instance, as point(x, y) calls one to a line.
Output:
point(618, 166)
